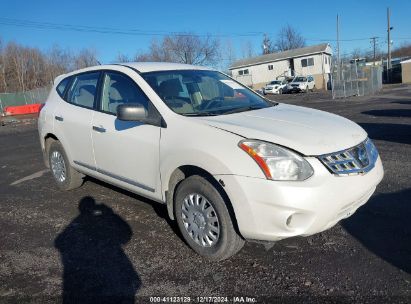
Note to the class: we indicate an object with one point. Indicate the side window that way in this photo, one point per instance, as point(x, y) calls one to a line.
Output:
point(119, 89)
point(83, 90)
point(310, 61)
point(303, 63)
point(62, 86)
point(307, 62)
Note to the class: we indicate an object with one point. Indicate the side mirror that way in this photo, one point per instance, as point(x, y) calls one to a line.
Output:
point(132, 112)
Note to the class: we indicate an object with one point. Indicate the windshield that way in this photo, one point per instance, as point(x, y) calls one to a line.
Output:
point(202, 93)
point(275, 82)
point(300, 79)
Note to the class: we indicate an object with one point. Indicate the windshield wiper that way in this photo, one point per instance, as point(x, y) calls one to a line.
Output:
point(200, 114)
point(243, 109)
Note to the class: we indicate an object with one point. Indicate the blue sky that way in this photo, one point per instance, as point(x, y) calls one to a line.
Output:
point(231, 19)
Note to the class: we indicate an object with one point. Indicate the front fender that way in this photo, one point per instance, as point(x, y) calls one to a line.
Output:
point(195, 143)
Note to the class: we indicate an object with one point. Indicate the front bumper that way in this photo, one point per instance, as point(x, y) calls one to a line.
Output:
point(273, 210)
point(294, 89)
point(272, 91)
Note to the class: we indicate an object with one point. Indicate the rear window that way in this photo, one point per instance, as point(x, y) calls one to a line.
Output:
point(300, 79)
point(83, 89)
point(62, 86)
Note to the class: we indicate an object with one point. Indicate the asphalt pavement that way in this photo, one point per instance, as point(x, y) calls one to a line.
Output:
point(100, 244)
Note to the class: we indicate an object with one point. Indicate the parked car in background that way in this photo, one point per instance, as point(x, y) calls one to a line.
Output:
point(228, 164)
point(275, 87)
point(301, 84)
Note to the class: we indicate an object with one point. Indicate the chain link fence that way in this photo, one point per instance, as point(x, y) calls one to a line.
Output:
point(22, 98)
point(353, 79)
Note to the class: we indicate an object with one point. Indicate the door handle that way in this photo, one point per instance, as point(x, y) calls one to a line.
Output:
point(59, 118)
point(99, 129)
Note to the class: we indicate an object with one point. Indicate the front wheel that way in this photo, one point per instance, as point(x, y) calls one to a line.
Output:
point(204, 219)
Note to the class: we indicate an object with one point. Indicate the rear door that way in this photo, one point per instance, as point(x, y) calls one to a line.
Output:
point(126, 152)
point(73, 117)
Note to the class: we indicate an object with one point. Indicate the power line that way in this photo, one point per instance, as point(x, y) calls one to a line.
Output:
point(109, 30)
point(140, 32)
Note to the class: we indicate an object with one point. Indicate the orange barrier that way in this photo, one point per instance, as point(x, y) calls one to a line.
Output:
point(25, 109)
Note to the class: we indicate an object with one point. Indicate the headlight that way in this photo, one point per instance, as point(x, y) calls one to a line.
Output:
point(276, 162)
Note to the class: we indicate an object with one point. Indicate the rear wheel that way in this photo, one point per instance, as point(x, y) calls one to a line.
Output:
point(65, 176)
point(204, 219)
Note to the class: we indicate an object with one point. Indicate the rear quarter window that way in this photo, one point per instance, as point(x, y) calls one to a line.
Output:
point(62, 86)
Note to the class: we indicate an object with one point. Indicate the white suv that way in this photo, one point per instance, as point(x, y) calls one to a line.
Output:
point(301, 84)
point(229, 164)
point(274, 87)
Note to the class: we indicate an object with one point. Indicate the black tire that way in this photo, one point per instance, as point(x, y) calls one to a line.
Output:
point(229, 241)
point(72, 178)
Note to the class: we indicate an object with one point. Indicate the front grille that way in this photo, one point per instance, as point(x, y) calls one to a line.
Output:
point(355, 160)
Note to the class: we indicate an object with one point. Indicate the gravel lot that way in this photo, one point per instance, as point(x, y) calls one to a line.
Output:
point(131, 251)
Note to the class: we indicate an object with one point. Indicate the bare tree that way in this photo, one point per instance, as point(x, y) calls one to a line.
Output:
point(267, 46)
point(357, 53)
point(24, 68)
point(183, 48)
point(19, 63)
point(158, 52)
point(85, 58)
point(123, 58)
point(289, 38)
point(404, 50)
point(58, 61)
point(247, 50)
point(228, 55)
point(3, 83)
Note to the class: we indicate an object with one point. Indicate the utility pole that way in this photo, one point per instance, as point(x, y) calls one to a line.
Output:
point(389, 28)
point(338, 49)
point(374, 39)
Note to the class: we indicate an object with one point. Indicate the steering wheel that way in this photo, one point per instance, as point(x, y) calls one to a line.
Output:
point(211, 103)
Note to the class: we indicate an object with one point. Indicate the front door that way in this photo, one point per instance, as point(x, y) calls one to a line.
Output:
point(126, 153)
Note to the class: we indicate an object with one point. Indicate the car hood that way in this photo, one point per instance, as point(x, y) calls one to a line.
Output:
point(308, 131)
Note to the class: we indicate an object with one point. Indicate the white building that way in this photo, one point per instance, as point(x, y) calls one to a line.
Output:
point(312, 60)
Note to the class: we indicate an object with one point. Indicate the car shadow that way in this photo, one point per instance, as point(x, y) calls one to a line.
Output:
point(383, 227)
point(159, 209)
point(389, 112)
point(96, 268)
point(400, 133)
point(403, 102)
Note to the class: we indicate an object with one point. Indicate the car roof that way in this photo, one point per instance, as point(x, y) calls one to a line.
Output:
point(140, 67)
point(162, 66)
